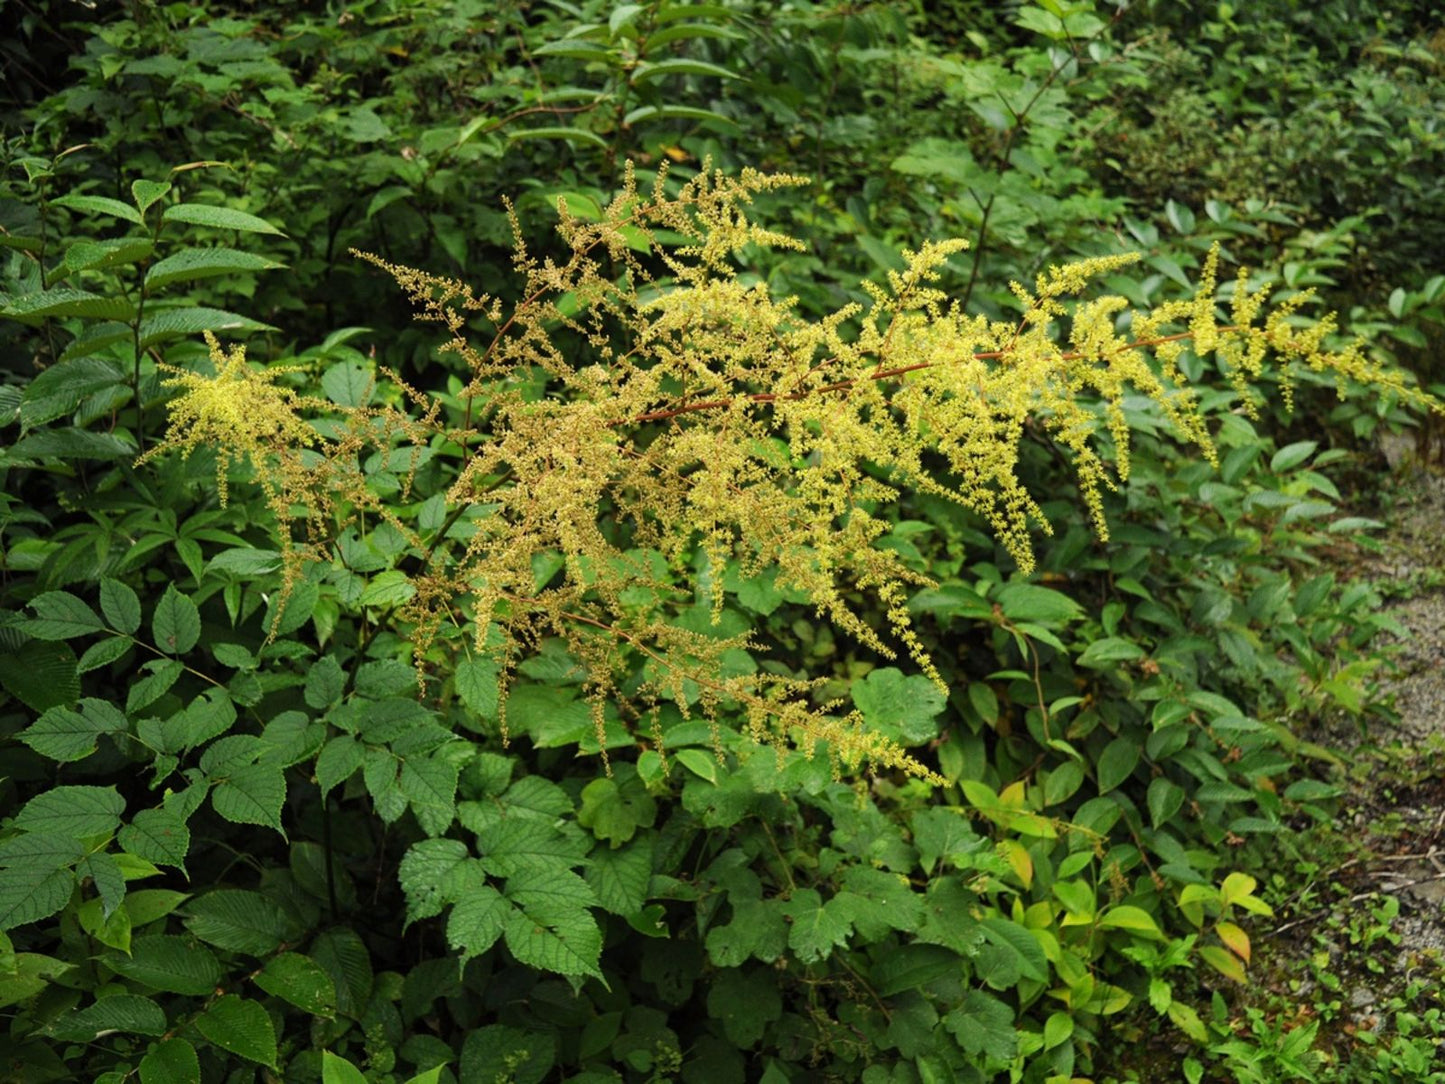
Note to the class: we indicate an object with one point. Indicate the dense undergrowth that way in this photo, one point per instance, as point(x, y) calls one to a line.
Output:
point(735, 633)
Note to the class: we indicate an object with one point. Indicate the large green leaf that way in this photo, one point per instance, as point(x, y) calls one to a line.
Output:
point(301, 981)
point(171, 1061)
point(252, 794)
point(477, 920)
point(902, 708)
point(186, 322)
point(74, 811)
point(191, 264)
point(59, 390)
point(120, 605)
point(43, 675)
point(170, 964)
point(99, 205)
point(65, 735)
point(552, 928)
point(815, 929)
point(158, 836)
point(65, 301)
point(120, 1012)
point(220, 218)
point(239, 920)
point(241, 1027)
point(620, 877)
point(59, 615)
point(337, 1070)
point(32, 892)
point(983, 1025)
point(176, 624)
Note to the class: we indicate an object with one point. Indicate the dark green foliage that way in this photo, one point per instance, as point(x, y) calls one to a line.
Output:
point(246, 835)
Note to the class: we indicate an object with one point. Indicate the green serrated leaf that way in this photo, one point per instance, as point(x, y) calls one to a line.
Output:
point(220, 218)
point(902, 708)
point(120, 605)
point(241, 1027)
point(183, 323)
point(476, 684)
point(191, 264)
point(126, 1013)
point(301, 981)
point(159, 676)
point(477, 920)
point(430, 786)
point(73, 811)
point(1023, 949)
point(620, 878)
point(59, 615)
point(252, 794)
point(551, 927)
point(176, 624)
point(64, 301)
point(60, 389)
point(41, 850)
point(238, 920)
point(30, 893)
point(983, 1025)
point(173, 965)
point(349, 383)
point(43, 675)
point(816, 929)
point(171, 1061)
point(100, 205)
point(339, 760)
point(158, 836)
